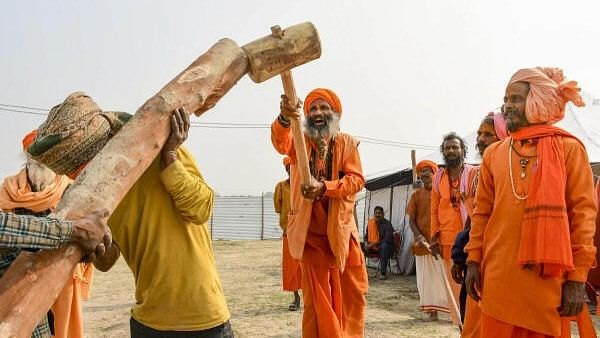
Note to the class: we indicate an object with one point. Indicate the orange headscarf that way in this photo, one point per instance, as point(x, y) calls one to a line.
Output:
point(287, 161)
point(29, 138)
point(16, 192)
point(548, 94)
point(325, 94)
point(426, 164)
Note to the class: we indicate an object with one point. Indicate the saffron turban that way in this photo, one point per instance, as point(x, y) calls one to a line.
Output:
point(426, 164)
point(29, 138)
point(287, 161)
point(74, 133)
point(325, 94)
point(548, 94)
point(499, 125)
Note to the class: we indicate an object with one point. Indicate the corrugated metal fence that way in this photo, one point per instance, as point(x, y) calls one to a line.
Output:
point(251, 217)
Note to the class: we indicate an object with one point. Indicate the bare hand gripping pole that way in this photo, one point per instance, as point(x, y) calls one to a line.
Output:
point(34, 280)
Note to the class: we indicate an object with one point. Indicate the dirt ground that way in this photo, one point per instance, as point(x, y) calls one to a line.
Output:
point(250, 272)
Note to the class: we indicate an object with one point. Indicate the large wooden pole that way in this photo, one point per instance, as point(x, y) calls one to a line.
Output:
point(33, 281)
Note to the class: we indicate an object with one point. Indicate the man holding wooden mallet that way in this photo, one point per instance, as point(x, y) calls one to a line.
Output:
point(321, 229)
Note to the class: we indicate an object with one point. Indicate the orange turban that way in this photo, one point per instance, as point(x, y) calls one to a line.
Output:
point(325, 94)
point(426, 164)
point(286, 161)
point(548, 94)
point(29, 138)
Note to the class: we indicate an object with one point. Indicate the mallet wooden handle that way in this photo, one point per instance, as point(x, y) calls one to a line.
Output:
point(299, 144)
point(413, 160)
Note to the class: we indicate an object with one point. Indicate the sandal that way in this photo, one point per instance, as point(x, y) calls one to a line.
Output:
point(294, 307)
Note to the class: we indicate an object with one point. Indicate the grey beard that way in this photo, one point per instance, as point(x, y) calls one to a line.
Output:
point(320, 134)
point(332, 124)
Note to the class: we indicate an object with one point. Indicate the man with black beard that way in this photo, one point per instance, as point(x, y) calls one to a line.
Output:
point(448, 210)
point(321, 231)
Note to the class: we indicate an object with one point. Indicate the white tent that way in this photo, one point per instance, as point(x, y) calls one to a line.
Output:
point(392, 191)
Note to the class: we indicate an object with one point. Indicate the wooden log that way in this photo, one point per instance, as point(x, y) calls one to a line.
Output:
point(33, 281)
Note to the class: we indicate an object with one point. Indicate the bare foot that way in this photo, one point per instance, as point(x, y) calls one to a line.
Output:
point(433, 316)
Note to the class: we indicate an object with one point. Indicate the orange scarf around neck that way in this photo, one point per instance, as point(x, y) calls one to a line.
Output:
point(16, 193)
point(545, 234)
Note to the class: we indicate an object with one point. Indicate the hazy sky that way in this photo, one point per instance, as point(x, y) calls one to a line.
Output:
point(405, 71)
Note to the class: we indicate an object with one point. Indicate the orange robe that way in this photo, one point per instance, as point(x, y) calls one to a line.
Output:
point(446, 222)
point(291, 274)
point(419, 209)
point(511, 295)
point(594, 275)
point(324, 236)
point(472, 322)
point(67, 310)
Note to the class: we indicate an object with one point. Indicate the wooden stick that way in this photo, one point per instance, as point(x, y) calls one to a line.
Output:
point(451, 300)
point(299, 144)
point(413, 160)
point(449, 294)
point(33, 281)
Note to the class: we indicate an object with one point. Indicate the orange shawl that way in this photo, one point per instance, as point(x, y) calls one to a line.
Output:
point(373, 231)
point(16, 193)
point(545, 234)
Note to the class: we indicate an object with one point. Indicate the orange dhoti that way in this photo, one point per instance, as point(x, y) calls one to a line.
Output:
point(291, 272)
point(491, 327)
point(334, 301)
point(472, 323)
point(67, 310)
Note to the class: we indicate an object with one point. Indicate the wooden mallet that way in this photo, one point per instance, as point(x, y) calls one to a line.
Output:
point(302, 38)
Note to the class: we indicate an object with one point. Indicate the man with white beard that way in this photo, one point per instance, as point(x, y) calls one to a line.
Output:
point(321, 230)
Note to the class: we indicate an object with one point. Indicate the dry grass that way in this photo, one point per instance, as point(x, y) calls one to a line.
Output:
point(250, 272)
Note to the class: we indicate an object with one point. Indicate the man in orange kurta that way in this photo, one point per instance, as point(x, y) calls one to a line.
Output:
point(291, 274)
point(531, 243)
point(322, 232)
point(448, 210)
point(36, 190)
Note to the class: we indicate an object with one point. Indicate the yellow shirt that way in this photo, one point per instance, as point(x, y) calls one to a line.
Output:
point(281, 200)
point(160, 228)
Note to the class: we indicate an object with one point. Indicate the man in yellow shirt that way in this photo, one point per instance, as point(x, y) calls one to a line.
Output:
point(159, 226)
point(291, 273)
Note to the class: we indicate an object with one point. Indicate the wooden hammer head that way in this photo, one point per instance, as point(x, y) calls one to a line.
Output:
point(282, 50)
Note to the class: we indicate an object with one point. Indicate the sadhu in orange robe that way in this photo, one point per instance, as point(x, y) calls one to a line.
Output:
point(448, 216)
point(323, 235)
point(518, 302)
point(291, 273)
point(16, 193)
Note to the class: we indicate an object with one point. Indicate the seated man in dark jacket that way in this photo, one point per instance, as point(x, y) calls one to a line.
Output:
point(385, 241)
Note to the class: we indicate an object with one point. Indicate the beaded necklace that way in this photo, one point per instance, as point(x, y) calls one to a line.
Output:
point(523, 164)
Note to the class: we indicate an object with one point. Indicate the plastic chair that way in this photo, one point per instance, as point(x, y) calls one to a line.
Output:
point(396, 254)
